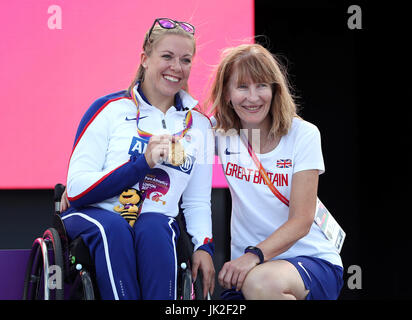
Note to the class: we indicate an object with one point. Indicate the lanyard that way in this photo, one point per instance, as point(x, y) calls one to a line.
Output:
point(262, 171)
point(323, 218)
point(188, 121)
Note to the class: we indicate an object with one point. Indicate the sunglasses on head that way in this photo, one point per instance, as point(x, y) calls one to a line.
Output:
point(167, 23)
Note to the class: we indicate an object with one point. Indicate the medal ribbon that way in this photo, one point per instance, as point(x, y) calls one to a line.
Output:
point(147, 135)
point(262, 171)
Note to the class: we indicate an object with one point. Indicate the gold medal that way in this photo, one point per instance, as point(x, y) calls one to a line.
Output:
point(177, 154)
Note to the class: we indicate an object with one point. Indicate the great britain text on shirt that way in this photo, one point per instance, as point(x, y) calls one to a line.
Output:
point(254, 175)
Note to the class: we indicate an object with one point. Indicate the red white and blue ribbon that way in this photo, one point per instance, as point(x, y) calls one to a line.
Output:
point(144, 134)
point(262, 171)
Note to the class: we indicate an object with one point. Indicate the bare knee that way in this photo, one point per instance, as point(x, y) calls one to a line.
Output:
point(273, 280)
point(260, 286)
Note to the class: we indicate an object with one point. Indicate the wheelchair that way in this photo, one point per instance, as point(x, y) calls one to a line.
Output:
point(59, 269)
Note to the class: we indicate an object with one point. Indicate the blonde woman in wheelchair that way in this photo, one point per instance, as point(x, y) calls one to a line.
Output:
point(136, 139)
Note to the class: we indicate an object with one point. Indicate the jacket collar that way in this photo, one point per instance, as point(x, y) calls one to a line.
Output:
point(183, 100)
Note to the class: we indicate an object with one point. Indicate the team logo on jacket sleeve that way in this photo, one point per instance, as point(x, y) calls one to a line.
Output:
point(137, 146)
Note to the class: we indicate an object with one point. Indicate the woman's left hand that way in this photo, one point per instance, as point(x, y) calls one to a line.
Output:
point(234, 272)
point(203, 261)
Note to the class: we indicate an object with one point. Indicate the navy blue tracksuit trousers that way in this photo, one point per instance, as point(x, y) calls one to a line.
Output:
point(131, 263)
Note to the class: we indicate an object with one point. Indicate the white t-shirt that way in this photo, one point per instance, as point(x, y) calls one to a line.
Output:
point(256, 212)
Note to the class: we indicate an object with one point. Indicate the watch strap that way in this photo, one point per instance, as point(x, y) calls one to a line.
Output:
point(256, 251)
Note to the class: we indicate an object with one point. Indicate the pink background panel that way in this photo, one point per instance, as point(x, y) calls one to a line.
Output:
point(49, 77)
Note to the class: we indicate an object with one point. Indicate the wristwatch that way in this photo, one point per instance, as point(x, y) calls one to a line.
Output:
point(256, 251)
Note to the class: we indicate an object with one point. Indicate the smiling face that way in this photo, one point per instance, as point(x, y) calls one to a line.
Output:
point(167, 69)
point(251, 101)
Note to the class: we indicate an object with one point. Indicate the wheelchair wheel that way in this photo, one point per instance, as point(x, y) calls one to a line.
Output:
point(46, 257)
point(56, 281)
point(87, 284)
point(187, 290)
point(187, 285)
point(81, 272)
point(33, 272)
point(198, 287)
point(82, 288)
point(35, 284)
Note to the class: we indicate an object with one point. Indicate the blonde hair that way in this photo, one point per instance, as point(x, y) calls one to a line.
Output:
point(149, 43)
point(253, 63)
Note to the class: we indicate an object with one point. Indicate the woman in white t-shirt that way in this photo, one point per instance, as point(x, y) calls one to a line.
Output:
point(277, 252)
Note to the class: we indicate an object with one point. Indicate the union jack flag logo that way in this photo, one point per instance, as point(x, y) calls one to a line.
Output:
point(284, 163)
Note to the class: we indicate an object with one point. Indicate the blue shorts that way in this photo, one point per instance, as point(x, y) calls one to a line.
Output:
point(323, 279)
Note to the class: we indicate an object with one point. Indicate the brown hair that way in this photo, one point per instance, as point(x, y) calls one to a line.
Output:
point(253, 63)
point(157, 34)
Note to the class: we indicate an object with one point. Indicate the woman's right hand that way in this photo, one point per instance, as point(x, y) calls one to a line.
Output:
point(64, 202)
point(158, 149)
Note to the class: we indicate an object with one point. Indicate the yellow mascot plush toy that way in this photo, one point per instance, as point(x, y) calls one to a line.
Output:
point(131, 200)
